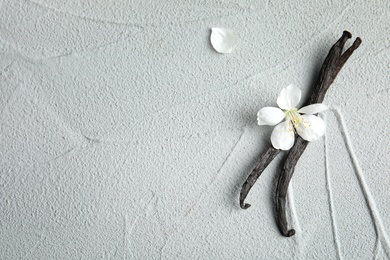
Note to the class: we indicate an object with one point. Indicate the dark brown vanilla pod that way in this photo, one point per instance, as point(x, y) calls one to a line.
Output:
point(332, 65)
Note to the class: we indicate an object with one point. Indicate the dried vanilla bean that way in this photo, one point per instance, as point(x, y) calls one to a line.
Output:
point(329, 70)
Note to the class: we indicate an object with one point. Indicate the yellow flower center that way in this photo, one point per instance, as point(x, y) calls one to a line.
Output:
point(297, 122)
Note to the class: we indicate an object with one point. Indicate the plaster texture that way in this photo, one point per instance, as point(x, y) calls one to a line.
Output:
point(124, 135)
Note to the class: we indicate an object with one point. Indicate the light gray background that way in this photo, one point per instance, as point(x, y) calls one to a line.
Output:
point(124, 135)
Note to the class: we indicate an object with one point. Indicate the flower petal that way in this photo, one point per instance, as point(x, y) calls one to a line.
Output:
point(311, 128)
point(289, 97)
point(313, 109)
point(282, 136)
point(223, 40)
point(270, 116)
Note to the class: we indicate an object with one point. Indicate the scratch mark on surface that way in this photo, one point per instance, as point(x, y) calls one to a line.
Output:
point(85, 17)
point(330, 201)
point(370, 201)
point(128, 231)
point(230, 153)
point(219, 172)
point(63, 154)
point(164, 246)
point(37, 60)
point(149, 206)
point(77, 52)
point(124, 161)
point(90, 139)
point(133, 225)
point(335, 21)
point(127, 235)
point(168, 237)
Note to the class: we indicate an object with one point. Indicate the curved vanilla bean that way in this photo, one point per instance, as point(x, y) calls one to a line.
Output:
point(283, 182)
point(263, 162)
point(330, 68)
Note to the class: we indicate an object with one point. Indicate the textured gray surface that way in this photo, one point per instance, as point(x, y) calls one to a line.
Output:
point(125, 136)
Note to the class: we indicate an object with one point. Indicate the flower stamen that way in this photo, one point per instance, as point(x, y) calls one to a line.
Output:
point(296, 121)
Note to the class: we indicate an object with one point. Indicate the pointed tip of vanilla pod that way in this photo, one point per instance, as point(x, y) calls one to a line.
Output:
point(347, 34)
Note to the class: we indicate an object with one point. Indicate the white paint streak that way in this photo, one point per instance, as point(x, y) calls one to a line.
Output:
point(295, 221)
point(370, 201)
point(336, 239)
point(291, 201)
point(377, 249)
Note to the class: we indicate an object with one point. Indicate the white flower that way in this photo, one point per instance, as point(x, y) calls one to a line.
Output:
point(308, 126)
